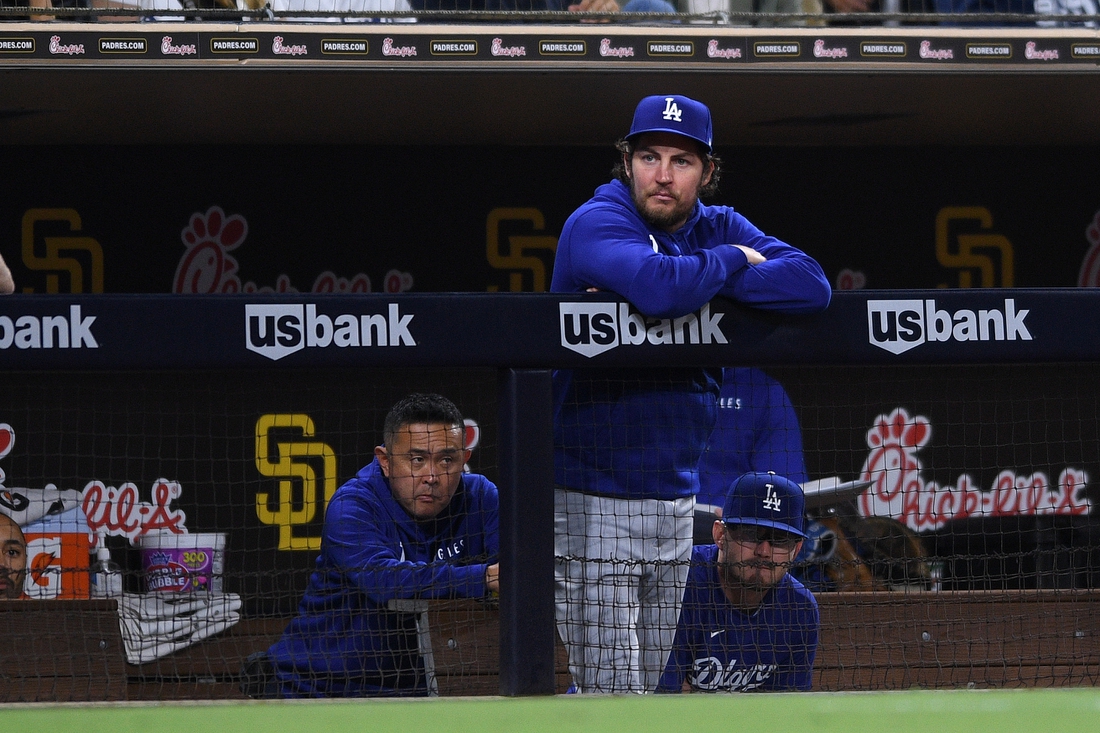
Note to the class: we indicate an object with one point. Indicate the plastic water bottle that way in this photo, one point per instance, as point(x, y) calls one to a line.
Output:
point(106, 574)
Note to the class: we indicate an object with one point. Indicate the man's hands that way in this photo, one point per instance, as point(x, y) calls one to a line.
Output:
point(594, 6)
point(492, 578)
point(754, 257)
point(851, 6)
point(7, 285)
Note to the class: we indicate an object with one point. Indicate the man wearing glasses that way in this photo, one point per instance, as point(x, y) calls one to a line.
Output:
point(745, 623)
point(410, 526)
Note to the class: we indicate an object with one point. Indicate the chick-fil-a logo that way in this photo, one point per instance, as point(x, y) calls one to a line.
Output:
point(1032, 52)
point(927, 52)
point(72, 49)
point(821, 51)
point(606, 49)
point(715, 52)
point(388, 49)
point(1089, 277)
point(120, 511)
point(281, 49)
point(499, 49)
point(168, 48)
point(899, 490)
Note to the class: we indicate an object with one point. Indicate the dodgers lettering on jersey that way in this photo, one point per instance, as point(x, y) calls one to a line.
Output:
point(709, 674)
point(450, 550)
point(720, 648)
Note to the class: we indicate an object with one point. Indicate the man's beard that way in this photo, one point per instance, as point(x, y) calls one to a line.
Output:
point(730, 575)
point(663, 219)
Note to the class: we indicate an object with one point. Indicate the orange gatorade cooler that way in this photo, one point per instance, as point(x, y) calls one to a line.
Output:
point(57, 556)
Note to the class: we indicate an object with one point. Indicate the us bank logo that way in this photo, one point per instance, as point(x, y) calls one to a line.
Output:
point(48, 332)
point(278, 330)
point(900, 325)
point(591, 329)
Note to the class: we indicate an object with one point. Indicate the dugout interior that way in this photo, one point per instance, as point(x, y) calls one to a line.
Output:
point(255, 104)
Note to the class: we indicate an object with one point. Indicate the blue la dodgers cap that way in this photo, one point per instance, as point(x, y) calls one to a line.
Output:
point(673, 113)
point(766, 500)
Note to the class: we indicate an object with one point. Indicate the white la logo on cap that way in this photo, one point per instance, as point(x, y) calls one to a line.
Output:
point(672, 111)
point(772, 500)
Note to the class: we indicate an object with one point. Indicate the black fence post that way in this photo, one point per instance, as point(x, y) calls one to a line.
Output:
point(526, 533)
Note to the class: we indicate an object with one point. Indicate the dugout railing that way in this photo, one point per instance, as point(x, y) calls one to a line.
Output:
point(522, 337)
point(1049, 13)
point(849, 86)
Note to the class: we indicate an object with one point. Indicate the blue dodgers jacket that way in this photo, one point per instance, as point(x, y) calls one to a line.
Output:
point(757, 430)
point(345, 640)
point(639, 434)
point(720, 648)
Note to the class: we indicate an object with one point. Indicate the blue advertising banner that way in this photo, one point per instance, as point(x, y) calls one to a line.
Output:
point(539, 330)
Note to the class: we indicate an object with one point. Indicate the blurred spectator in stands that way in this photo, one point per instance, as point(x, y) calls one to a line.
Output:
point(701, 7)
point(1067, 7)
point(56, 4)
point(410, 526)
point(745, 623)
point(807, 7)
point(984, 6)
point(325, 7)
point(757, 430)
point(1019, 7)
point(7, 285)
point(13, 563)
point(611, 6)
point(25, 3)
point(336, 6)
point(584, 6)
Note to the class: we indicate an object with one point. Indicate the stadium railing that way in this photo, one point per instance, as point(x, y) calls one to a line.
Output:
point(120, 360)
point(990, 13)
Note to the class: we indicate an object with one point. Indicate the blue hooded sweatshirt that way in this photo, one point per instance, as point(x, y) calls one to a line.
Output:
point(345, 640)
point(639, 434)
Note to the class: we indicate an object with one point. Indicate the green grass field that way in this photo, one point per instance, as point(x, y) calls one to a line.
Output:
point(1010, 711)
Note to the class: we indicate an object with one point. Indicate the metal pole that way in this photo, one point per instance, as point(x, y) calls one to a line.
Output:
point(526, 533)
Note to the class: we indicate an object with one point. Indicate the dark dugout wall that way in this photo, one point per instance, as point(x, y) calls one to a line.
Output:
point(158, 219)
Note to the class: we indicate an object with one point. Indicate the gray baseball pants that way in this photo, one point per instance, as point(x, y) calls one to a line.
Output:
point(620, 573)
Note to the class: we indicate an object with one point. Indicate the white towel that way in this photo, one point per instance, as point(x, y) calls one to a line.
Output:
point(28, 505)
point(154, 625)
point(155, 648)
point(159, 606)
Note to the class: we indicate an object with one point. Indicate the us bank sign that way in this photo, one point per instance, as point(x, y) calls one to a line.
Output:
point(900, 325)
point(278, 330)
point(591, 329)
